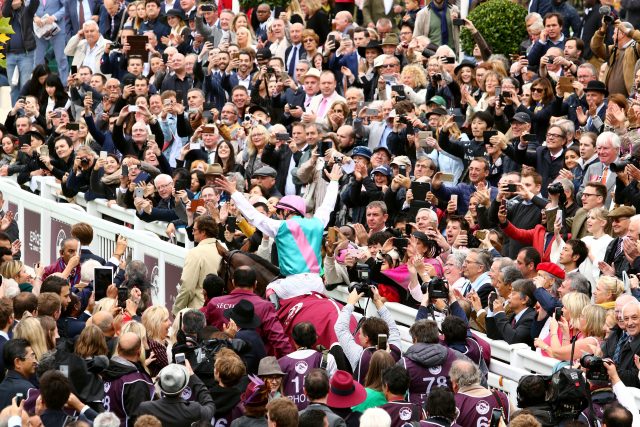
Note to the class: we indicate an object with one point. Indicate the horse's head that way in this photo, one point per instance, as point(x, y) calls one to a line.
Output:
point(222, 251)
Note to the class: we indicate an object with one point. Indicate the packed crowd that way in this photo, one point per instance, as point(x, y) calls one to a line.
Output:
point(331, 144)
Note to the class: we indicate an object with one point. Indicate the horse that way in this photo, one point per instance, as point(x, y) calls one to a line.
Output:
point(265, 271)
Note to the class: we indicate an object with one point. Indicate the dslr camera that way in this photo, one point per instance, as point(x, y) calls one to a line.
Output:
point(609, 15)
point(404, 119)
point(363, 285)
point(556, 188)
point(594, 365)
point(438, 288)
point(621, 164)
point(271, 70)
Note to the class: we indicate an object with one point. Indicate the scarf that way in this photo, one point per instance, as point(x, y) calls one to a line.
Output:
point(444, 28)
point(74, 277)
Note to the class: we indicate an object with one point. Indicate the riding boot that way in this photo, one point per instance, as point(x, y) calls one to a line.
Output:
point(275, 300)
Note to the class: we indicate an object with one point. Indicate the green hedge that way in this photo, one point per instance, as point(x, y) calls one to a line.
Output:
point(501, 23)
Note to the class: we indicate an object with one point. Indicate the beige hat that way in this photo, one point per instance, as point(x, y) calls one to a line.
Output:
point(214, 169)
point(379, 61)
point(622, 212)
point(313, 72)
point(401, 161)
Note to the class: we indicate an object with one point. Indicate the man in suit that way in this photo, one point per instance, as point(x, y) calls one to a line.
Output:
point(631, 346)
point(561, 107)
point(299, 94)
point(79, 12)
point(153, 21)
point(6, 322)
point(295, 51)
point(199, 262)
point(111, 14)
point(278, 43)
point(517, 327)
point(210, 28)
point(614, 257)
point(379, 127)
point(593, 196)
point(20, 360)
point(87, 47)
point(608, 148)
point(550, 37)
point(286, 158)
point(261, 21)
point(53, 12)
point(321, 103)
point(244, 74)
point(372, 10)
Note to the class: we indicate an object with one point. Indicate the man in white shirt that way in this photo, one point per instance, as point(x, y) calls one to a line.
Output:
point(277, 37)
point(87, 47)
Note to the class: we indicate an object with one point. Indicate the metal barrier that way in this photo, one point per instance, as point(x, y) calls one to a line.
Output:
point(44, 222)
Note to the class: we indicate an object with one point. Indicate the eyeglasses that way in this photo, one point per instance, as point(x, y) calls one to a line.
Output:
point(589, 194)
point(309, 40)
point(554, 135)
point(466, 261)
point(162, 187)
point(537, 89)
point(389, 65)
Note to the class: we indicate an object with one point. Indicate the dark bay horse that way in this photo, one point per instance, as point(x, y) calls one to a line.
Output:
point(265, 271)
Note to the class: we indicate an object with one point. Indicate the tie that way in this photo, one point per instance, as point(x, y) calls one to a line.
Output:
point(292, 62)
point(621, 342)
point(307, 102)
point(619, 248)
point(605, 174)
point(81, 13)
point(513, 322)
point(322, 108)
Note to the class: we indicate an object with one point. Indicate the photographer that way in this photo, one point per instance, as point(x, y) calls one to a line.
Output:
point(531, 392)
point(359, 353)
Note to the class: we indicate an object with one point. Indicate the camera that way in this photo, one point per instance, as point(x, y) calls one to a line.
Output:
point(116, 45)
point(271, 70)
point(555, 189)
point(594, 365)
point(404, 119)
point(438, 288)
point(609, 14)
point(363, 285)
point(84, 161)
point(621, 164)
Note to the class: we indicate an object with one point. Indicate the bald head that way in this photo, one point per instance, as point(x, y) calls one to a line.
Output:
point(104, 321)
point(129, 346)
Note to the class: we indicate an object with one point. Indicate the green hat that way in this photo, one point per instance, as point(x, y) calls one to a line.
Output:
point(438, 100)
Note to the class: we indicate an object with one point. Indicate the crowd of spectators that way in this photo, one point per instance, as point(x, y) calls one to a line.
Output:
point(499, 196)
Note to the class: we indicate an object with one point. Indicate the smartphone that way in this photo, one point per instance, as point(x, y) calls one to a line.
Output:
point(19, 398)
point(282, 136)
point(103, 155)
point(166, 102)
point(498, 92)
point(424, 134)
point(512, 188)
point(496, 416)
point(179, 97)
point(44, 150)
point(89, 94)
point(400, 242)
point(332, 39)
point(102, 278)
point(57, 114)
point(382, 341)
point(207, 115)
point(420, 190)
point(138, 192)
point(446, 177)
point(530, 137)
point(408, 229)
point(492, 298)
point(399, 89)
point(123, 296)
point(180, 358)
point(487, 134)
point(454, 198)
point(449, 59)
point(195, 204)
point(458, 22)
point(402, 170)
point(481, 234)
point(73, 126)
point(552, 214)
point(557, 313)
point(74, 69)
point(503, 203)
point(331, 234)
point(25, 140)
point(372, 112)
point(125, 170)
point(231, 224)
point(194, 146)
point(208, 129)
point(133, 108)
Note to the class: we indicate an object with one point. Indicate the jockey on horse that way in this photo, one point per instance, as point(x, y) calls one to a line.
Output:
point(298, 239)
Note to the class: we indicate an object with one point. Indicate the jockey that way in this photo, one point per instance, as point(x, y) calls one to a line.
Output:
point(298, 239)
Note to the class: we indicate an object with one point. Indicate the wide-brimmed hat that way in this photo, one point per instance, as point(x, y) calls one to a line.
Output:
point(177, 13)
point(344, 391)
point(401, 161)
point(214, 169)
point(464, 63)
point(379, 61)
point(391, 39)
point(256, 394)
point(269, 366)
point(373, 44)
point(244, 316)
point(313, 72)
point(596, 86)
point(172, 379)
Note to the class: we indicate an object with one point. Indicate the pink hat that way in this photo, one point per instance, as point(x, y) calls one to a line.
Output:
point(344, 391)
point(292, 203)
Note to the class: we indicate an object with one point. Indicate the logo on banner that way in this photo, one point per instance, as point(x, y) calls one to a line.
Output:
point(61, 236)
point(154, 280)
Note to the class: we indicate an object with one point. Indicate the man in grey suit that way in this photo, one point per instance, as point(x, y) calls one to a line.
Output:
point(608, 149)
point(377, 131)
point(215, 30)
point(50, 12)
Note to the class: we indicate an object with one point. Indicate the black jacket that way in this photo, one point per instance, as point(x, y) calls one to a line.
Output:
point(499, 328)
point(176, 411)
point(627, 368)
point(25, 14)
point(13, 383)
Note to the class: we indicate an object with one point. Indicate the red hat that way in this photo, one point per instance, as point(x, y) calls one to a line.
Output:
point(552, 269)
point(344, 391)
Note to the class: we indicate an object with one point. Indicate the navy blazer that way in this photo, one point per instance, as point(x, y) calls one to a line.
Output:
point(104, 23)
point(12, 384)
point(229, 81)
point(71, 21)
point(86, 254)
point(213, 91)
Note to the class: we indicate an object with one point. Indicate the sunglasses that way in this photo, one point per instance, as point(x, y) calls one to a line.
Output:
point(537, 89)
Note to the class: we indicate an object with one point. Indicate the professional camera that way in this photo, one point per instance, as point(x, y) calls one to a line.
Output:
point(555, 189)
point(84, 161)
point(594, 365)
point(621, 164)
point(116, 45)
point(363, 285)
point(271, 70)
point(438, 288)
point(609, 15)
point(402, 118)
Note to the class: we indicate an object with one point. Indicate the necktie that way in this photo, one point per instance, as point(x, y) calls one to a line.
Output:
point(619, 247)
point(322, 108)
point(513, 322)
point(81, 13)
point(621, 342)
point(605, 174)
point(307, 101)
point(292, 62)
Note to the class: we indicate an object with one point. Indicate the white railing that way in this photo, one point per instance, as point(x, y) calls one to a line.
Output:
point(43, 222)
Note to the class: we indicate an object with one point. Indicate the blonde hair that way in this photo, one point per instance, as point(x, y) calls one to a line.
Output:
point(251, 149)
point(152, 319)
point(30, 329)
point(574, 303)
point(10, 269)
point(105, 304)
point(613, 286)
point(600, 213)
point(417, 74)
point(594, 318)
point(249, 37)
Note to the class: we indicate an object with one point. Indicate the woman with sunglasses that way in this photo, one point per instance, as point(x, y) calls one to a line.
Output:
point(540, 107)
point(337, 116)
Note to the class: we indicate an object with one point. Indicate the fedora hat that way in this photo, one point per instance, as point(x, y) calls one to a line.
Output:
point(464, 63)
point(172, 379)
point(269, 366)
point(373, 44)
point(344, 391)
point(244, 316)
point(391, 39)
point(596, 86)
point(214, 169)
